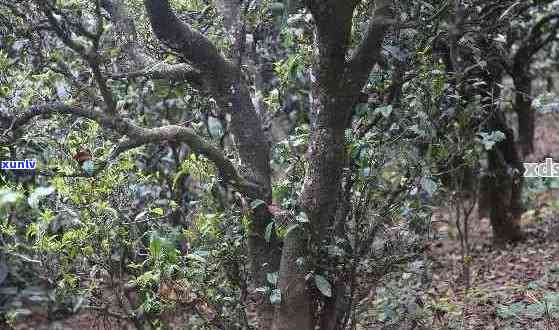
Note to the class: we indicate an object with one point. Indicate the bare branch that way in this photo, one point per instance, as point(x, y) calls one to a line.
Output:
point(200, 146)
point(63, 33)
point(148, 67)
point(534, 40)
point(102, 83)
point(23, 118)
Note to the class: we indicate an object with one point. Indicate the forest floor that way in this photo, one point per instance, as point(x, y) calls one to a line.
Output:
point(512, 288)
point(516, 287)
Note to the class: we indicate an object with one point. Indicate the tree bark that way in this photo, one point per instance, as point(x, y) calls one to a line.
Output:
point(336, 85)
point(525, 112)
point(330, 105)
point(504, 188)
point(297, 307)
point(541, 34)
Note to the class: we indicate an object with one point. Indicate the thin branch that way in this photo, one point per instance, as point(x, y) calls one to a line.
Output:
point(88, 54)
point(534, 38)
point(63, 33)
point(25, 258)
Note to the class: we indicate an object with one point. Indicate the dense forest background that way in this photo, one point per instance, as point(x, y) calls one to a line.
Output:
point(295, 164)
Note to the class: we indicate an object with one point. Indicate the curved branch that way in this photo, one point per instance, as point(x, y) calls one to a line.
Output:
point(145, 65)
point(368, 53)
point(224, 82)
point(20, 119)
point(534, 42)
point(180, 37)
point(138, 136)
point(177, 133)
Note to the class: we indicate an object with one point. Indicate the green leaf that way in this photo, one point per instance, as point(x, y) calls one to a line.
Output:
point(256, 203)
point(196, 257)
point(552, 298)
point(272, 278)
point(268, 232)
point(428, 185)
point(295, 226)
point(277, 8)
point(535, 311)
point(155, 245)
point(38, 194)
point(361, 109)
point(384, 111)
point(262, 289)
point(415, 129)
point(302, 217)
point(554, 183)
point(215, 127)
point(157, 211)
point(335, 251)
point(507, 312)
point(7, 196)
point(323, 285)
point(489, 140)
point(275, 297)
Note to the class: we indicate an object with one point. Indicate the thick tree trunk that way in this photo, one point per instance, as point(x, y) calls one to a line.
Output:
point(319, 200)
point(484, 201)
point(336, 85)
point(297, 307)
point(335, 310)
point(501, 188)
point(253, 149)
point(524, 111)
point(541, 34)
point(504, 187)
point(331, 103)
